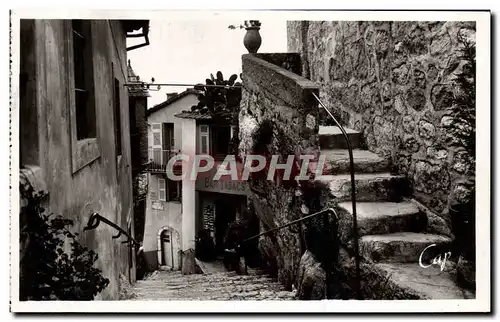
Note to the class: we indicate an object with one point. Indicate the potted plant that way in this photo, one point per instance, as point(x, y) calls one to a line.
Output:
point(252, 39)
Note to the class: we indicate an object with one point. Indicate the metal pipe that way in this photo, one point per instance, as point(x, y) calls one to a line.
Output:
point(183, 85)
point(353, 196)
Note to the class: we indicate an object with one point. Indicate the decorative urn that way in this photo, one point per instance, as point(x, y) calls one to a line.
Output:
point(252, 39)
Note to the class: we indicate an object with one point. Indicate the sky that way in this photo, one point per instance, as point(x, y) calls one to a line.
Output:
point(188, 51)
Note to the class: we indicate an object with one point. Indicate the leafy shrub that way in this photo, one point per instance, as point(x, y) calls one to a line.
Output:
point(48, 271)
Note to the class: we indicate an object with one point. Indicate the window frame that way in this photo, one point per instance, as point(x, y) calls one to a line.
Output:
point(86, 150)
point(202, 136)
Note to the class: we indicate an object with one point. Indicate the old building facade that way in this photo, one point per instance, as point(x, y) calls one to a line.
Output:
point(163, 222)
point(75, 141)
point(178, 210)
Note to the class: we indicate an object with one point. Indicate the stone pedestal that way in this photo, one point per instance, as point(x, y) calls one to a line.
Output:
point(188, 262)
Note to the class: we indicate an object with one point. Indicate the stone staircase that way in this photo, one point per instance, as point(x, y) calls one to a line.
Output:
point(221, 286)
point(392, 231)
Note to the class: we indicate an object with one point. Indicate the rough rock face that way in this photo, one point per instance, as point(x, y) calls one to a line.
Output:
point(278, 116)
point(466, 273)
point(311, 279)
point(393, 82)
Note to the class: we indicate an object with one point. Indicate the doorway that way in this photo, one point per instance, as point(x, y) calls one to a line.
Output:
point(167, 250)
point(228, 209)
point(224, 215)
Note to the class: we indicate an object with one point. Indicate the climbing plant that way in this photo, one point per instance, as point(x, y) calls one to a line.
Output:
point(463, 130)
point(463, 111)
point(48, 270)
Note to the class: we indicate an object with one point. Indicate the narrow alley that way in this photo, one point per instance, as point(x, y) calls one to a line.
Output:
point(220, 286)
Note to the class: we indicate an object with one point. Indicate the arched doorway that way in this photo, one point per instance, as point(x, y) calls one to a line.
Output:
point(168, 248)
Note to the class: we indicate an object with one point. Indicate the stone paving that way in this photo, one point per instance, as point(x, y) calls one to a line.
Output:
point(168, 285)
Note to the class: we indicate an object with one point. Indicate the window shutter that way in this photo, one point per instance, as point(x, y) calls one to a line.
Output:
point(156, 130)
point(162, 193)
point(157, 136)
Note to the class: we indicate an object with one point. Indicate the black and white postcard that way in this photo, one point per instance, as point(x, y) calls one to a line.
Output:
point(263, 161)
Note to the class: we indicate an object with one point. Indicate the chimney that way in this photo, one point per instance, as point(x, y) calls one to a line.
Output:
point(170, 95)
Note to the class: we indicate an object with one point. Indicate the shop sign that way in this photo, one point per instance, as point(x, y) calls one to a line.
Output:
point(232, 187)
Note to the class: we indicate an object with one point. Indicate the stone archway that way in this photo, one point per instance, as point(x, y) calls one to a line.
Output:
point(168, 249)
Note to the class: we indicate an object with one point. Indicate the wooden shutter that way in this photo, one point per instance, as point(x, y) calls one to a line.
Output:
point(162, 192)
point(156, 145)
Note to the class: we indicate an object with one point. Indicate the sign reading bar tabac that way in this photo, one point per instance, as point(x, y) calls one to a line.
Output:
point(232, 187)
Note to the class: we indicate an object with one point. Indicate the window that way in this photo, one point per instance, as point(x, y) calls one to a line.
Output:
point(174, 190)
point(221, 139)
point(81, 99)
point(168, 190)
point(204, 139)
point(83, 80)
point(162, 193)
point(118, 123)
point(168, 136)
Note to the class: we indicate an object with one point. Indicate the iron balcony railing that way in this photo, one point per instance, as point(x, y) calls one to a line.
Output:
point(158, 159)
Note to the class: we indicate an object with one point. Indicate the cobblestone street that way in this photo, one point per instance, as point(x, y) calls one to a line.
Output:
point(167, 285)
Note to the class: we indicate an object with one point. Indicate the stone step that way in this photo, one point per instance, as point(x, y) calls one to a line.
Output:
point(330, 137)
point(424, 283)
point(369, 187)
point(337, 161)
point(403, 247)
point(376, 218)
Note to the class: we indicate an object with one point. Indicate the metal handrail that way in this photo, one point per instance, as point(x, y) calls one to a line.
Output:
point(94, 221)
point(353, 195)
point(327, 210)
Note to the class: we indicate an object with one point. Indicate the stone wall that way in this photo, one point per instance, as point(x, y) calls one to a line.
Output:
point(393, 82)
point(278, 116)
